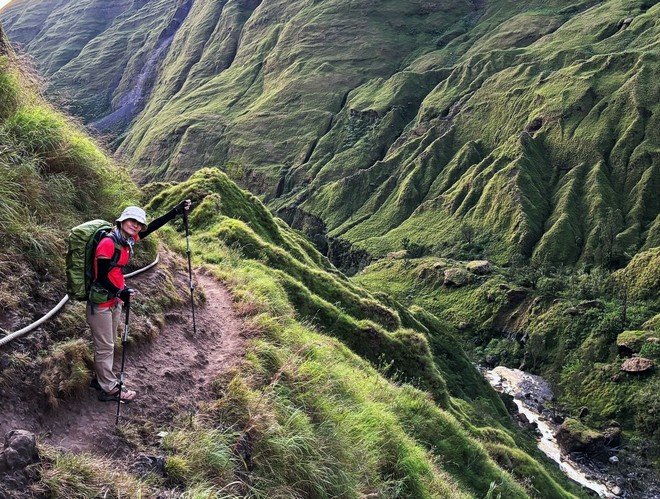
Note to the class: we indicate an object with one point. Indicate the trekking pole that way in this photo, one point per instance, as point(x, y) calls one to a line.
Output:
point(192, 300)
point(124, 343)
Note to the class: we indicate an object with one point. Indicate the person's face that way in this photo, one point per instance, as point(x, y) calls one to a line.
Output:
point(131, 227)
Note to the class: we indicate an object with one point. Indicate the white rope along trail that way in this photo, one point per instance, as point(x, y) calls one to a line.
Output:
point(34, 325)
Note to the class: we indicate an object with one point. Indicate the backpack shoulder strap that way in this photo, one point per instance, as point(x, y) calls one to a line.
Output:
point(117, 254)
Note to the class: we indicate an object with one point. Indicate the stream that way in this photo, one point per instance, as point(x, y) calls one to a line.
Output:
point(527, 388)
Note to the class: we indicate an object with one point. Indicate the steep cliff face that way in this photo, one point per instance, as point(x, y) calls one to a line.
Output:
point(534, 123)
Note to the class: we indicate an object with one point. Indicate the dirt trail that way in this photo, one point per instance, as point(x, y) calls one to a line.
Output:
point(170, 375)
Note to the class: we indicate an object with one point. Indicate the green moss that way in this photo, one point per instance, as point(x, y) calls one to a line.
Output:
point(578, 430)
point(534, 122)
point(641, 277)
point(634, 340)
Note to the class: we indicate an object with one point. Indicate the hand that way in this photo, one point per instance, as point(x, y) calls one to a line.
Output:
point(183, 206)
point(125, 294)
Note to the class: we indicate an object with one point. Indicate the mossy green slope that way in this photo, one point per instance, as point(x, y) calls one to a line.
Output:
point(536, 122)
point(368, 411)
point(41, 26)
point(561, 137)
point(449, 440)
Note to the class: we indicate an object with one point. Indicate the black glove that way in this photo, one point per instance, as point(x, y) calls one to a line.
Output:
point(125, 294)
point(181, 207)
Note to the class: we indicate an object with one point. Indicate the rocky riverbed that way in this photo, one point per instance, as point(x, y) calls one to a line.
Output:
point(531, 395)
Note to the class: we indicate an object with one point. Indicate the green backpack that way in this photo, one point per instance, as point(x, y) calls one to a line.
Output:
point(81, 246)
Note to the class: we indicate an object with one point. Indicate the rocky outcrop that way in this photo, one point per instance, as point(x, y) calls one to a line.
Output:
point(480, 267)
point(343, 255)
point(630, 342)
point(637, 365)
point(347, 257)
point(456, 277)
point(310, 225)
point(612, 436)
point(19, 452)
point(573, 436)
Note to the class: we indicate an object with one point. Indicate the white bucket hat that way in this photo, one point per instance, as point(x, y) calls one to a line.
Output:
point(135, 213)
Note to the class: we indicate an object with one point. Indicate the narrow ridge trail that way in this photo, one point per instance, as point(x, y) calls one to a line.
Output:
point(171, 375)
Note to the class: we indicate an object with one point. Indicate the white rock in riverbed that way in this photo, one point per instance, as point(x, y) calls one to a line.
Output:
point(524, 385)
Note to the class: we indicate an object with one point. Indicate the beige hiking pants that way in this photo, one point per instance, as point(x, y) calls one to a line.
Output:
point(104, 323)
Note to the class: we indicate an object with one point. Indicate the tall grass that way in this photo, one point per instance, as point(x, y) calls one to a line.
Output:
point(27, 204)
point(51, 175)
point(10, 89)
point(66, 370)
point(82, 476)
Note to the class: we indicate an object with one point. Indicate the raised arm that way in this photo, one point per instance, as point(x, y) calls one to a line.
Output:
point(163, 219)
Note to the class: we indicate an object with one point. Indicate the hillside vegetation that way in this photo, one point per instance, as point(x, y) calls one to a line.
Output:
point(342, 392)
point(534, 122)
point(576, 328)
point(416, 136)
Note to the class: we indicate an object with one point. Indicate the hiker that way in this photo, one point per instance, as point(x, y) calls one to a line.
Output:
point(109, 292)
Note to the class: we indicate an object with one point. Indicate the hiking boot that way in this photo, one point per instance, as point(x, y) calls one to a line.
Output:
point(113, 395)
point(95, 384)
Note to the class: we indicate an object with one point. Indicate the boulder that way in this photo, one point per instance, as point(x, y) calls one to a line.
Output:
point(492, 360)
point(456, 277)
point(630, 342)
point(19, 451)
point(480, 267)
point(637, 365)
point(522, 418)
point(145, 464)
point(612, 436)
point(624, 23)
point(16, 475)
point(573, 311)
point(573, 436)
